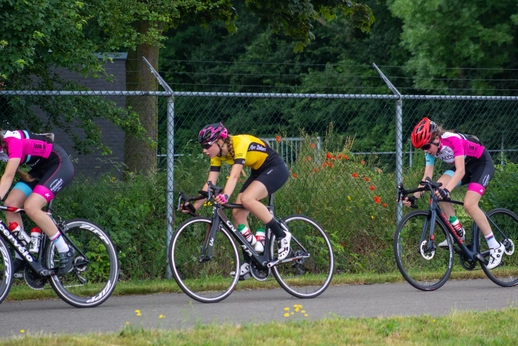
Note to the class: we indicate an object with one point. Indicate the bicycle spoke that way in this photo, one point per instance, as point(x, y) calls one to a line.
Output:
point(207, 280)
point(425, 266)
point(311, 272)
point(504, 224)
point(96, 269)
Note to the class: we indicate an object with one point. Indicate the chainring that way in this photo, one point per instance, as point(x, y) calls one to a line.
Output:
point(33, 279)
point(259, 273)
point(467, 263)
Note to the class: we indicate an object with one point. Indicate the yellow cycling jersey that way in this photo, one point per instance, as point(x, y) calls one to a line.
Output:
point(249, 151)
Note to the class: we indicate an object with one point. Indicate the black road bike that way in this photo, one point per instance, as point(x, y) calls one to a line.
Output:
point(93, 276)
point(205, 250)
point(427, 267)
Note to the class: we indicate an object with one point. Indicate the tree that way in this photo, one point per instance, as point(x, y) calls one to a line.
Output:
point(448, 37)
point(51, 33)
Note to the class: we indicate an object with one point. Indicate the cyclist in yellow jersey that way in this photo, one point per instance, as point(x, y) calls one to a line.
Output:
point(268, 173)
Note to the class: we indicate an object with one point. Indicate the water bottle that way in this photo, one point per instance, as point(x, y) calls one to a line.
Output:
point(245, 231)
point(19, 233)
point(35, 240)
point(457, 226)
point(259, 237)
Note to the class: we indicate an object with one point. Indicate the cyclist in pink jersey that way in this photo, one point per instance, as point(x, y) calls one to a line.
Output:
point(472, 165)
point(50, 169)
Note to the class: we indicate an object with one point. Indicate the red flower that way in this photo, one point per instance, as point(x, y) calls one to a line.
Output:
point(345, 157)
point(339, 156)
point(294, 175)
point(328, 156)
point(366, 178)
point(385, 205)
point(363, 162)
point(312, 146)
point(277, 139)
point(377, 199)
point(355, 175)
point(372, 187)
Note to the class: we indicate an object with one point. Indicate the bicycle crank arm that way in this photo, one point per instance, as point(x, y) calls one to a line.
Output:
point(291, 259)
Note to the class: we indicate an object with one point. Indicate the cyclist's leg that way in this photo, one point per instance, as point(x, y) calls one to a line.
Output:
point(447, 208)
point(54, 174)
point(16, 198)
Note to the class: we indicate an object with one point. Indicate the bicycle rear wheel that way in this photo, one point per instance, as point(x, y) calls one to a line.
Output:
point(204, 279)
point(96, 268)
point(423, 265)
point(310, 275)
point(6, 265)
point(505, 230)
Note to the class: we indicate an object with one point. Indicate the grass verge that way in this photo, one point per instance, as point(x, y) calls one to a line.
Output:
point(457, 328)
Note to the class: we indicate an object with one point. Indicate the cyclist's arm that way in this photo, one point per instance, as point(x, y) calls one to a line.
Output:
point(428, 172)
point(7, 178)
point(460, 170)
point(235, 173)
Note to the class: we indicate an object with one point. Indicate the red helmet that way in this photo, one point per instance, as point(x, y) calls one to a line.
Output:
point(423, 132)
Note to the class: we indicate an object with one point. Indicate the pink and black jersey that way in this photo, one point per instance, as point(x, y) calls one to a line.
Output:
point(455, 144)
point(26, 146)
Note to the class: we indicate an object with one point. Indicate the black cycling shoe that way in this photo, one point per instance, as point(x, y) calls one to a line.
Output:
point(66, 261)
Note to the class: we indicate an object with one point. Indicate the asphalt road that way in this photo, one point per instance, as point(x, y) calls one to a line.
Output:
point(175, 311)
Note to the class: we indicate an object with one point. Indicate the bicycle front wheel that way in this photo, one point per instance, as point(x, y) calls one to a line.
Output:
point(203, 278)
point(310, 275)
point(96, 268)
point(505, 229)
point(422, 263)
point(6, 267)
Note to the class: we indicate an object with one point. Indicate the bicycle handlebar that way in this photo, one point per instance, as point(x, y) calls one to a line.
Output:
point(213, 190)
point(427, 185)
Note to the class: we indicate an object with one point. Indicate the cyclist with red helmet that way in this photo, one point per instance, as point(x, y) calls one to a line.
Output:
point(268, 174)
point(472, 165)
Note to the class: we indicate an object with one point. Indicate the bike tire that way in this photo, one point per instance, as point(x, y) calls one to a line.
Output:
point(207, 281)
point(506, 274)
point(96, 267)
point(426, 274)
point(308, 277)
point(6, 275)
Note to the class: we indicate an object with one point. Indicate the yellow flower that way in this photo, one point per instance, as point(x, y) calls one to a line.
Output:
point(22, 331)
point(286, 315)
point(161, 316)
point(349, 198)
point(127, 323)
point(286, 309)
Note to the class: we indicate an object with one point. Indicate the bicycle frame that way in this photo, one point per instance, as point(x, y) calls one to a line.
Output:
point(219, 219)
point(35, 264)
point(471, 252)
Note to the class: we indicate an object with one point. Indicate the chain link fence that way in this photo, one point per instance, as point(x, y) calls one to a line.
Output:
point(346, 153)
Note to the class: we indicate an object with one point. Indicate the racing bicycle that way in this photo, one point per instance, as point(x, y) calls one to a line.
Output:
point(205, 250)
point(427, 267)
point(93, 276)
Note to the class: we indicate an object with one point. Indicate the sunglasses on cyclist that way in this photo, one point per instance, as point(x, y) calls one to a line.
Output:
point(207, 145)
point(429, 145)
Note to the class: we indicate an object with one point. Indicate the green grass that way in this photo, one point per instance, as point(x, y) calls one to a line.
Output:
point(457, 328)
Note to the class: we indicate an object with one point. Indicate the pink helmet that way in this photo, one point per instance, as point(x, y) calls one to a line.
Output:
point(211, 133)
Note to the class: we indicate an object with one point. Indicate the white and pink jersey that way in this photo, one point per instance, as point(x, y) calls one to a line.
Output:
point(452, 145)
point(26, 146)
